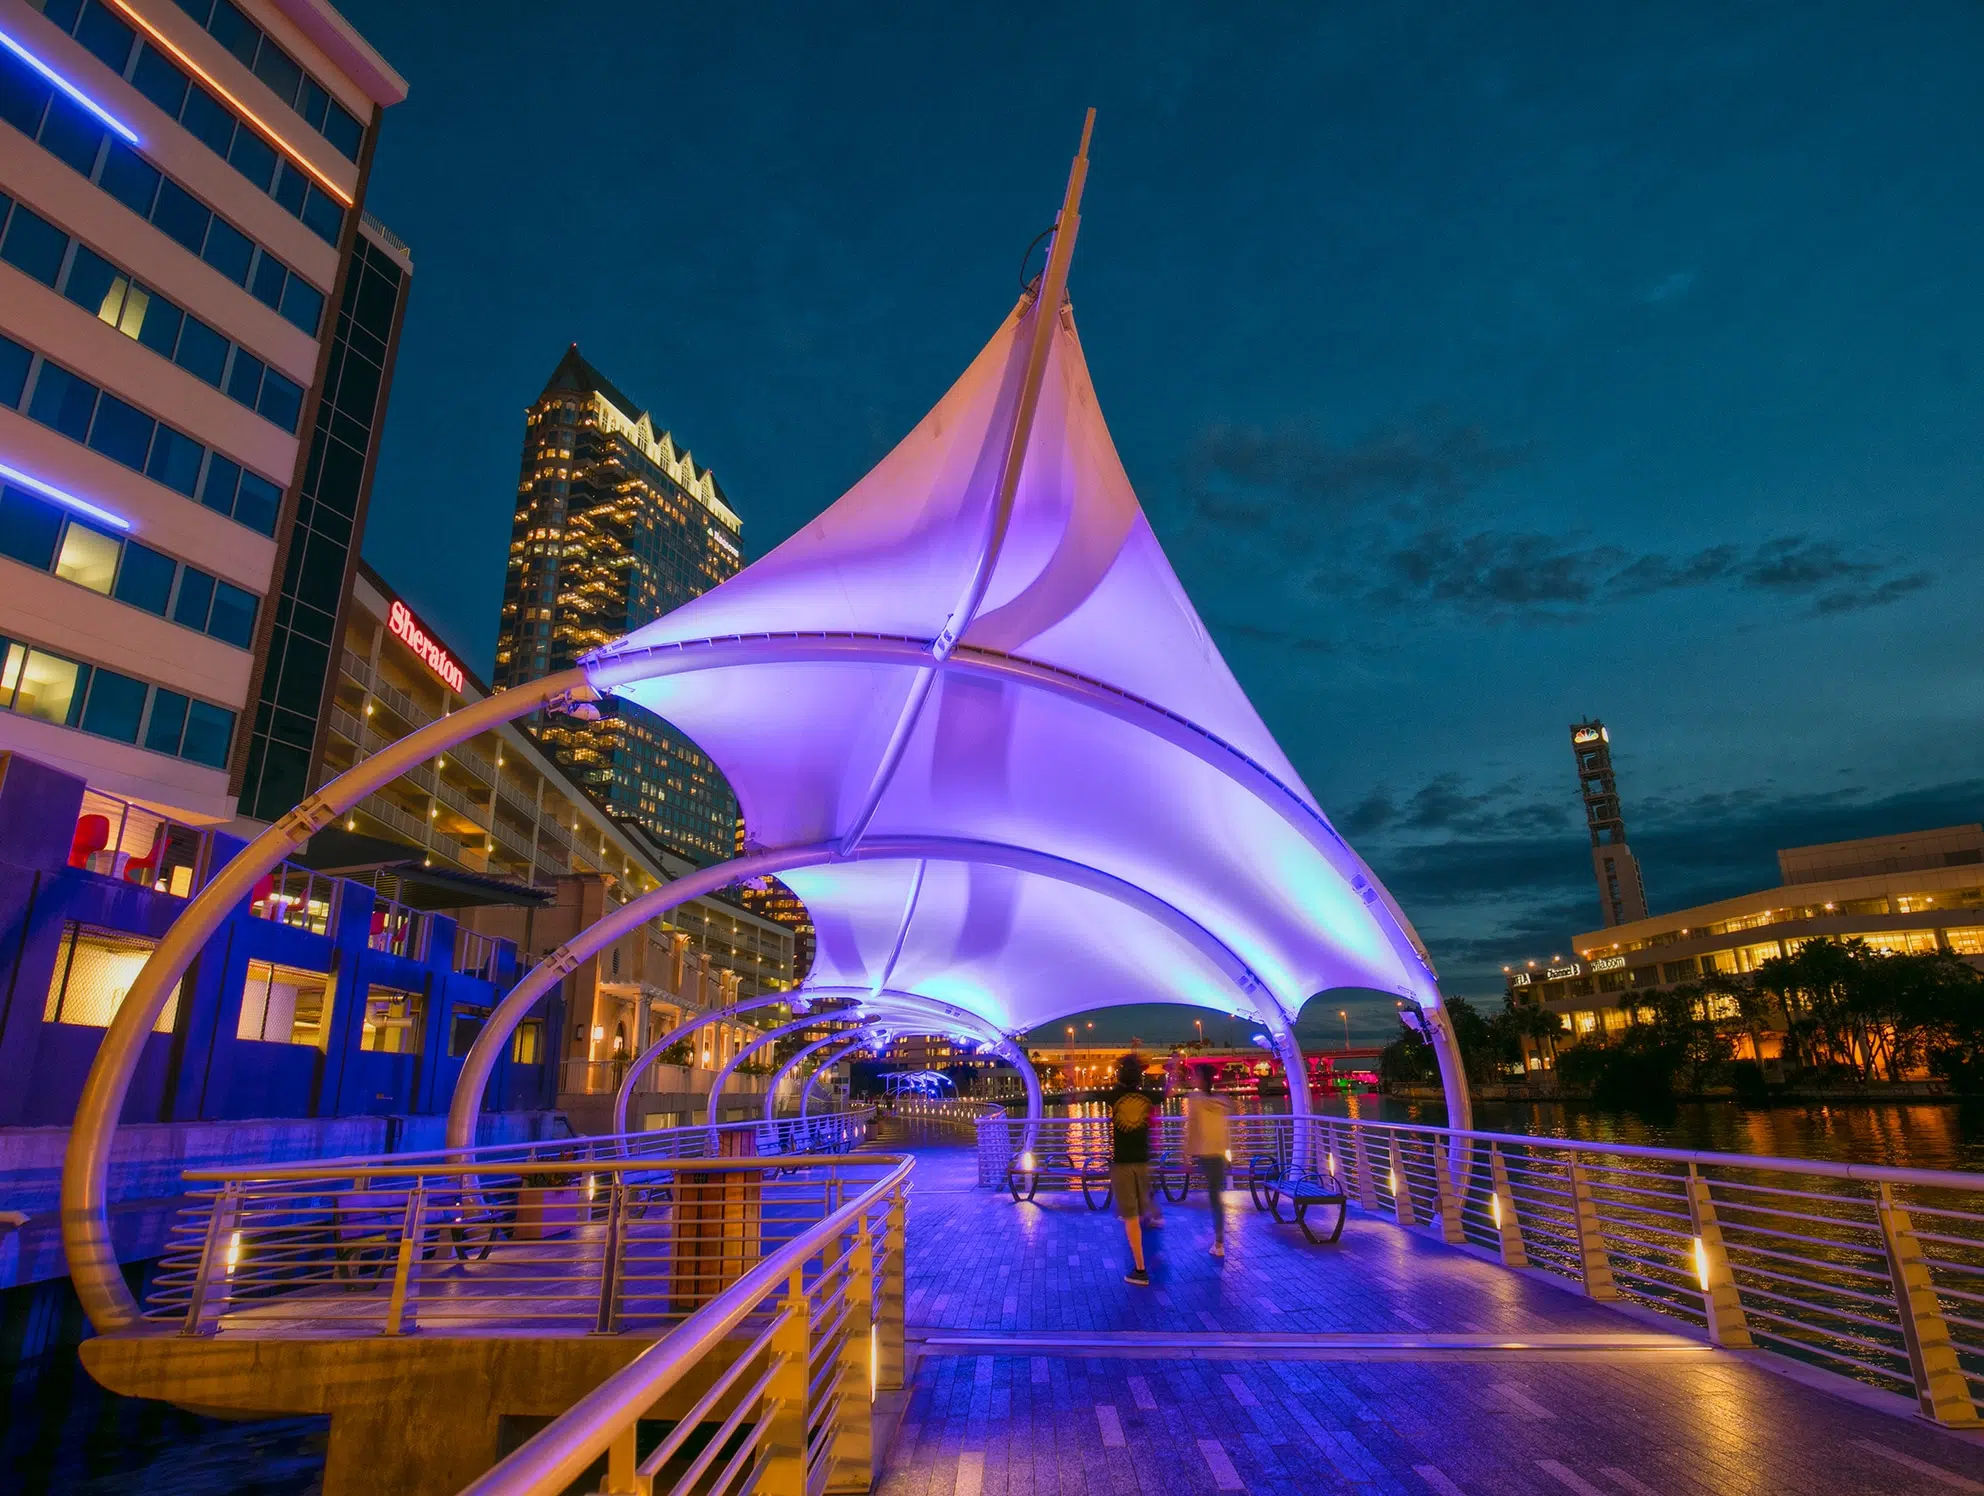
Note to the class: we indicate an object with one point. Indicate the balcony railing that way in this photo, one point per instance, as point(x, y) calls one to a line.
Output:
point(128, 842)
point(483, 956)
point(398, 930)
point(298, 897)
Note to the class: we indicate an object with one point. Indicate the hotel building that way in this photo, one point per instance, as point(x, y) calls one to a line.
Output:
point(615, 525)
point(496, 830)
point(184, 443)
point(1920, 892)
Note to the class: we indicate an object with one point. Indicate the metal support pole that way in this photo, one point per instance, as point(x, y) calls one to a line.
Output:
point(1508, 1225)
point(1722, 1303)
point(211, 1290)
point(1453, 1069)
point(612, 1245)
point(1402, 1202)
point(1941, 1390)
point(1594, 1265)
point(1450, 1197)
point(1365, 1181)
point(785, 1444)
point(854, 1428)
point(402, 1309)
point(890, 1343)
point(621, 1479)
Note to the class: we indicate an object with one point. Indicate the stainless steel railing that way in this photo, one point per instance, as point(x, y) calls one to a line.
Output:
point(1873, 1272)
point(810, 1334)
point(579, 1235)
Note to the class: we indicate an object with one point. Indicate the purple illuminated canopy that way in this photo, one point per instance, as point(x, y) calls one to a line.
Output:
point(1170, 852)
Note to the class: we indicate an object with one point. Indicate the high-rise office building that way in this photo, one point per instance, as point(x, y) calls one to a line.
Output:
point(1621, 893)
point(775, 902)
point(181, 191)
point(615, 525)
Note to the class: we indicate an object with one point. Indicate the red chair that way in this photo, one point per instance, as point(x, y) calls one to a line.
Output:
point(145, 869)
point(92, 836)
point(264, 886)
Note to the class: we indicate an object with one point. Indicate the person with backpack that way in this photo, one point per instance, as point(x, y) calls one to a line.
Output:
point(1132, 1110)
point(1207, 1138)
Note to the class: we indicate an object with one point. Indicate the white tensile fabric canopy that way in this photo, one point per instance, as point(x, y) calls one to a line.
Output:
point(1076, 806)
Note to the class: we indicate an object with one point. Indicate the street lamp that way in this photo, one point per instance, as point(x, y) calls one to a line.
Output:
point(1345, 1016)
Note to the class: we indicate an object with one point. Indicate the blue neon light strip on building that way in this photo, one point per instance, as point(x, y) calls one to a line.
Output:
point(67, 500)
point(69, 88)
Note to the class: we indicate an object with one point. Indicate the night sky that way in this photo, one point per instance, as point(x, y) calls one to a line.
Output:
point(1481, 367)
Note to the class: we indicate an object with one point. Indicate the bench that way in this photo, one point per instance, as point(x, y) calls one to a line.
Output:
point(1024, 1174)
point(1304, 1190)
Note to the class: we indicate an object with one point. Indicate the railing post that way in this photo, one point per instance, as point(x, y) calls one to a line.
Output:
point(1941, 1390)
point(402, 1312)
point(1450, 1198)
point(853, 1458)
point(1507, 1225)
point(890, 1346)
point(785, 1444)
point(1402, 1203)
point(1721, 1300)
point(607, 1322)
point(211, 1289)
point(1360, 1168)
point(621, 1476)
point(1595, 1267)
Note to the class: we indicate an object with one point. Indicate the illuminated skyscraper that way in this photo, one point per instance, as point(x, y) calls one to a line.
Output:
point(615, 526)
point(782, 906)
point(1621, 892)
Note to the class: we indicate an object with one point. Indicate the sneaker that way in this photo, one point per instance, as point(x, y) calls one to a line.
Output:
point(1219, 1250)
point(1137, 1276)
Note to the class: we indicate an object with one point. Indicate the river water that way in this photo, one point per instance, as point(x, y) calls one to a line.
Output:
point(64, 1436)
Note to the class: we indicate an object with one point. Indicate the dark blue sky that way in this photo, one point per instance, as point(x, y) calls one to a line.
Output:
point(1481, 366)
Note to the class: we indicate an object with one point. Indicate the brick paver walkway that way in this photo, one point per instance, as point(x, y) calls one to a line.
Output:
point(1383, 1373)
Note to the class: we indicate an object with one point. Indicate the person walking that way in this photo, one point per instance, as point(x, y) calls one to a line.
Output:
point(1131, 1110)
point(1207, 1138)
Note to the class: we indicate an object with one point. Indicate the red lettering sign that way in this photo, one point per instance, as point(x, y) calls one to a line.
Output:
point(417, 639)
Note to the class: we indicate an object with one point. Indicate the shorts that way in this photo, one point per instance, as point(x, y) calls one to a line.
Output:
point(1129, 1184)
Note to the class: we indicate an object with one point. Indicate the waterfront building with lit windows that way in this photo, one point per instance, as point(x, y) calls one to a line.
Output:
point(183, 260)
point(615, 526)
point(1919, 892)
point(499, 832)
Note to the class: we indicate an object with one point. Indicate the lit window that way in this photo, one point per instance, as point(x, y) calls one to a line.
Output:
point(94, 969)
point(392, 1021)
point(285, 1005)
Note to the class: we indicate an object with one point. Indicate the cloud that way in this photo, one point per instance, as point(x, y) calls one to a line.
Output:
point(1496, 573)
point(1299, 643)
point(1385, 522)
point(1259, 478)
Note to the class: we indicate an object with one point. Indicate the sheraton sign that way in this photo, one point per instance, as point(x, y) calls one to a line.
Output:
point(406, 628)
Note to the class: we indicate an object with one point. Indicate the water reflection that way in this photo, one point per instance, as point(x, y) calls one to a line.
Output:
point(1915, 1135)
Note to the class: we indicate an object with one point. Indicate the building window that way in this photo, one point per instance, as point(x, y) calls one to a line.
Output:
point(37, 683)
point(465, 1024)
point(1678, 971)
point(285, 1005)
point(75, 137)
point(94, 969)
point(1900, 942)
point(1750, 957)
point(1967, 941)
point(392, 1020)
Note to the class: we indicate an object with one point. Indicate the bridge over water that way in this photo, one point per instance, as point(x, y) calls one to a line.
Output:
point(685, 1311)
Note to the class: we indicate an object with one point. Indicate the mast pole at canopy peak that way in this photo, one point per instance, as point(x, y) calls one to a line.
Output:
point(1045, 313)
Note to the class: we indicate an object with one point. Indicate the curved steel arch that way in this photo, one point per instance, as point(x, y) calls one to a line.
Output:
point(623, 1099)
point(904, 1005)
point(881, 1036)
point(846, 1038)
point(85, 1180)
point(728, 651)
point(481, 1061)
